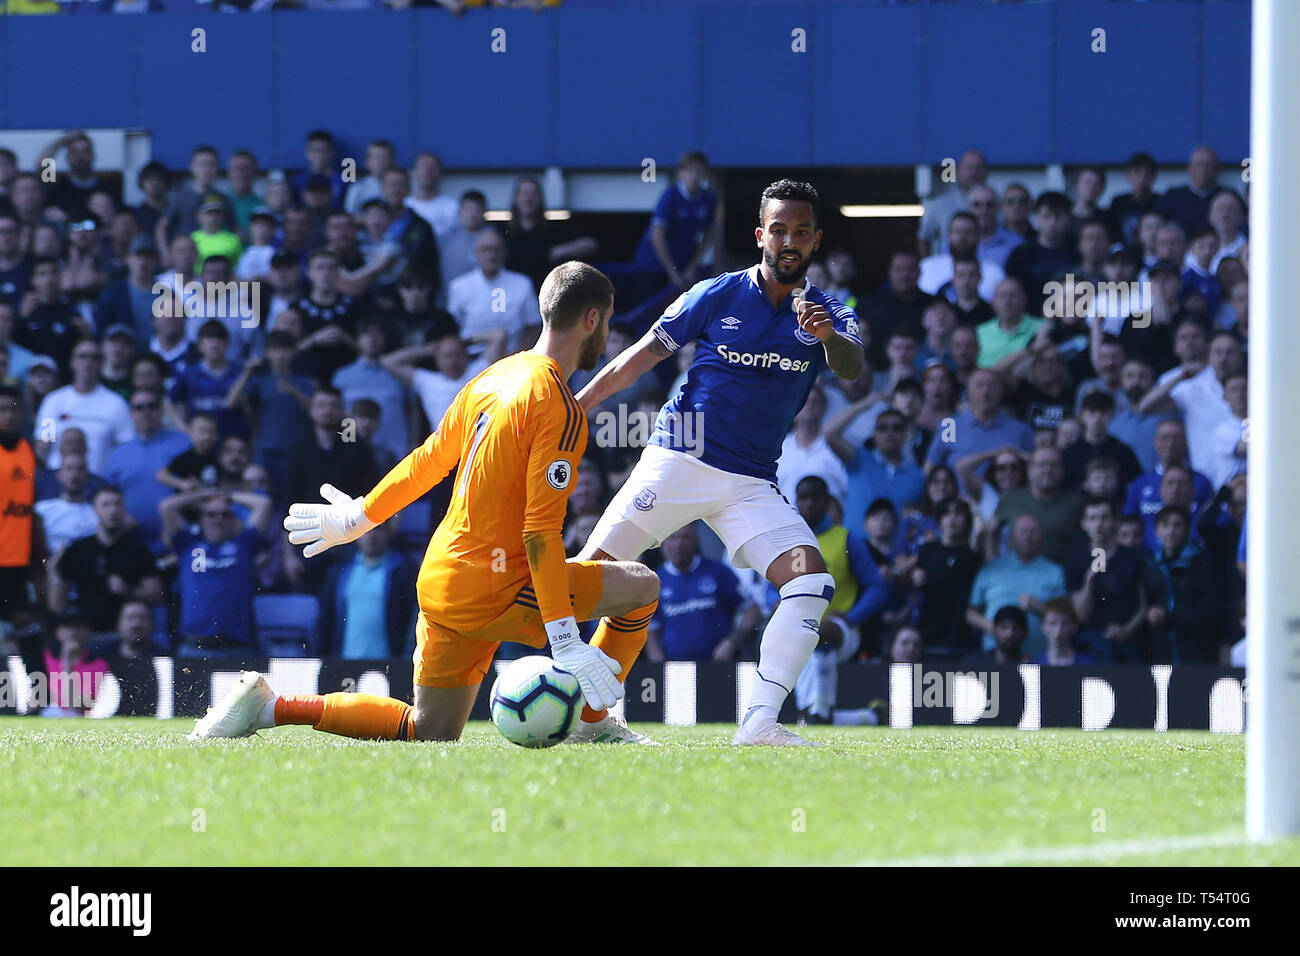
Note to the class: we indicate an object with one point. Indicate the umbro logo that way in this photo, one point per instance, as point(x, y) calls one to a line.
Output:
point(731, 323)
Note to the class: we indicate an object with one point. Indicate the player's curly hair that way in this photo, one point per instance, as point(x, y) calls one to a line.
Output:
point(569, 291)
point(789, 190)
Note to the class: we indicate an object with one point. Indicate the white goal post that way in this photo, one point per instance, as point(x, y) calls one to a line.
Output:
point(1273, 558)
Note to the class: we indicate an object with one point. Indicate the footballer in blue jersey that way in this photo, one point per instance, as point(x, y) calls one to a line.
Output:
point(761, 338)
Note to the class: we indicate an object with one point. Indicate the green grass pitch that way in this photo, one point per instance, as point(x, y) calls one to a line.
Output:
point(135, 792)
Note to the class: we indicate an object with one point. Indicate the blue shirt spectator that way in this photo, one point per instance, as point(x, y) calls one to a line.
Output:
point(879, 469)
point(204, 385)
point(133, 465)
point(1023, 573)
point(981, 429)
point(367, 601)
point(216, 572)
point(685, 212)
point(698, 603)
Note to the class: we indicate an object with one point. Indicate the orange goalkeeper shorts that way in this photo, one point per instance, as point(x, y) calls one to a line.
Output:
point(446, 658)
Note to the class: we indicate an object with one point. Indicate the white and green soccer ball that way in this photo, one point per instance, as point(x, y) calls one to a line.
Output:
point(534, 703)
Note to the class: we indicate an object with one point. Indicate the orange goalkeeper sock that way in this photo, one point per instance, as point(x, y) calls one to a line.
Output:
point(621, 638)
point(364, 716)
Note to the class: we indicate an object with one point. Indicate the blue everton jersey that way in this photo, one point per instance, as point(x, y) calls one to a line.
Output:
point(753, 370)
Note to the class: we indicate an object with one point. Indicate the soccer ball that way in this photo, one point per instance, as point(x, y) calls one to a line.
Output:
point(534, 703)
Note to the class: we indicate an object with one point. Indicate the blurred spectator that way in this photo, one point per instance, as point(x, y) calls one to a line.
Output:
point(1096, 413)
point(417, 319)
point(194, 467)
point(213, 237)
point(841, 272)
point(806, 451)
point(901, 352)
point(1137, 429)
point(1007, 635)
point(944, 575)
point(1197, 391)
point(682, 232)
point(878, 469)
point(439, 211)
point(369, 415)
point(963, 244)
point(535, 245)
point(380, 157)
point(70, 515)
point(328, 316)
point(987, 475)
point(22, 540)
point(702, 614)
point(1011, 331)
point(47, 324)
point(491, 297)
point(920, 522)
point(457, 247)
point(1127, 209)
point(852, 407)
point(101, 414)
point(133, 466)
point(408, 231)
point(368, 378)
point(1016, 205)
point(965, 349)
point(860, 594)
point(1106, 352)
point(241, 171)
point(320, 152)
point(255, 262)
point(972, 170)
point(74, 185)
point(1056, 508)
point(73, 676)
point(938, 321)
point(1228, 443)
point(15, 271)
point(1050, 253)
point(119, 351)
point(1189, 205)
point(1199, 281)
point(1220, 526)
point(897, 303)
point(1182, 615)
point(287, 287)
point(326, 454)
point(963, 292)
point(1043, 395)
point(1227, 216)
point(205, 385)
point(995, 242)
point(1101, 480)
point(367, 600)
point(1023, 580)
point(20, 359)
point(181, 215)
point(455, 368)
point(217, 575)
point(133, 637)
point(1060, 625)
point(1178, 487)
point(905, 647)
point(100, 571)
point(153, 180)
point(1089, 184)
point(982, 428)
point(1107, 587)
point(939, 393)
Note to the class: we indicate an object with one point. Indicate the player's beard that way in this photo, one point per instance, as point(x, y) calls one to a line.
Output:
point(786, 275)
point(592, 349)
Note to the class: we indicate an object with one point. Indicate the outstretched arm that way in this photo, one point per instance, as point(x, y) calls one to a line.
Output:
point(629, 366)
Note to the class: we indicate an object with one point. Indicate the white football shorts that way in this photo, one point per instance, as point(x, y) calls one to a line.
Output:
point(667, 490)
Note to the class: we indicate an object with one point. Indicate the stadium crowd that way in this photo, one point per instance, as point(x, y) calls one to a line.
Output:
point(1045, 459)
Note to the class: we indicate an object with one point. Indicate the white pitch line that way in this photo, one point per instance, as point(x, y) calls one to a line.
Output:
point(1080, 853)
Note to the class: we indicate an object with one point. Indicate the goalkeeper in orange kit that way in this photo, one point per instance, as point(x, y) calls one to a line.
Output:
point(495, 568)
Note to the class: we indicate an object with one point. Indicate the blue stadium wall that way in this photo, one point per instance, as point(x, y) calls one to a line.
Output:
point(603, 85)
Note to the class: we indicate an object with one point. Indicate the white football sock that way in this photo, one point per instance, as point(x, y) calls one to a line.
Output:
point(266, 719)
point(789, 639)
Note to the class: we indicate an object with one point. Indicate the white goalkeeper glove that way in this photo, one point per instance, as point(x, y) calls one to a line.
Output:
point(321, 527)
point(594, 668)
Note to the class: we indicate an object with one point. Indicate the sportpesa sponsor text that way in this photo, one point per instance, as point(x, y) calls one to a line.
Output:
point(763, 360)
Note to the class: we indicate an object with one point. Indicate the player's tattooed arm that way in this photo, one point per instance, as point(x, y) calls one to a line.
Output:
point(628, 366)
point(844, 356)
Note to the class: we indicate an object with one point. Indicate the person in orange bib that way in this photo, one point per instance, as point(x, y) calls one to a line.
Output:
point(495, 568)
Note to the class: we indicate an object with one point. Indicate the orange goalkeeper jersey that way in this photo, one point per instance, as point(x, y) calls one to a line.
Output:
point(517, 433)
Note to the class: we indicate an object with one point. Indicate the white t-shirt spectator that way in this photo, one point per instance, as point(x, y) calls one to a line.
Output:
point(436, 390)
point(1204, 409)
point(441, 212)
point(507, 301)
point(1226, 463)
point(102, 414)
point(797, 463)
point(936, 270)
point(66, 521)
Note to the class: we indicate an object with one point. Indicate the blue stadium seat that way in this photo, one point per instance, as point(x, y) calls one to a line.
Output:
point(287, 624)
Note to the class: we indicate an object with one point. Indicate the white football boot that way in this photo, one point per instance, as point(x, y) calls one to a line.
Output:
point(610, 729)
point(239, 714)
point(760, 732)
